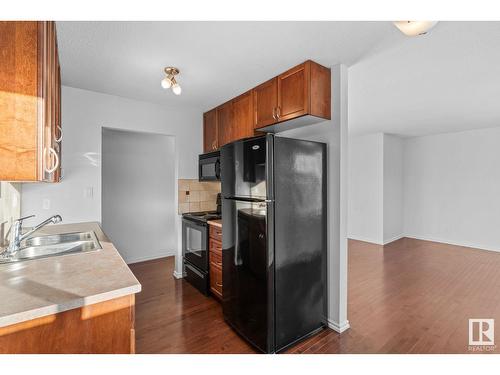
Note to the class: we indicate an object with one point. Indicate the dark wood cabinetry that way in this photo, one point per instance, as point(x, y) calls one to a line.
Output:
point(210, 133)
point(224, 123)
point(302, 93)
point(265, 99)
point(30, 96)
point(215, 258)
point(297, 97)
point(242, 123)
point(102, 328)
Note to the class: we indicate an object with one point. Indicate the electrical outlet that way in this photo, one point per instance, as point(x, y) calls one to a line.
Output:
point(46, 204)
point(88, 192)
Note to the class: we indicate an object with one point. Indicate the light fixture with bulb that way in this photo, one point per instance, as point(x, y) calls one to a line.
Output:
point(415, 28)
point(169, 80)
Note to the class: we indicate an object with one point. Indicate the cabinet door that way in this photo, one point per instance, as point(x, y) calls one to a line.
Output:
point(293, 92)
point(242, 124)
point(265, 101)
point(50, 152)
point(216, 280)
point(18, 101)
point(224, 123)
point(210, 141)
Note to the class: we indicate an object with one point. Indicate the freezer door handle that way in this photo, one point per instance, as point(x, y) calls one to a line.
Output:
point(248, 199)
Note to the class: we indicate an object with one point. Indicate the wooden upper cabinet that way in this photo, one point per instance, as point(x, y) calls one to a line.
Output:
point(299, 96)
point(242, 123)
point(30, 125)
point(300, 91)
point(210, 133)
point(224, 123)
point(265, 102)
point(293, 98)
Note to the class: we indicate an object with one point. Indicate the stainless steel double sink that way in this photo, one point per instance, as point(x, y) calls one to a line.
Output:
point(53, 245)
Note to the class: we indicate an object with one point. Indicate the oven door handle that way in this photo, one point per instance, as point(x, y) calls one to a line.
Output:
point(194, 270)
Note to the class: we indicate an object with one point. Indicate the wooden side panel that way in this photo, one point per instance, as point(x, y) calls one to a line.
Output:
point(224, 123)
point(320, 92)
point(265, 102)
point(242, 124)
point(18, 100)
point(106, 327)
point(293, 92)
point(210, 132)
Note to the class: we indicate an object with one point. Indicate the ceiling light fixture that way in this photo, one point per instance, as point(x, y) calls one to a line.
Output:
point(415, 28)
point(169, 80)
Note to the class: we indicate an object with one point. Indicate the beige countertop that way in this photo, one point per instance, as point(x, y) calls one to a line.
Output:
point(215, 223)
point(36, 288)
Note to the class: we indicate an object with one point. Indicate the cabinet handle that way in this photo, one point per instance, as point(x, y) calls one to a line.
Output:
point(56, 164)
point(58, 140)
point(278, 113)
point(213, 145)
point(274, 113)
point(219, 285)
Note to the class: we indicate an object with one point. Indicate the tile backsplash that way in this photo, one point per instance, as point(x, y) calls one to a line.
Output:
point(10, 207)
point(197, 196)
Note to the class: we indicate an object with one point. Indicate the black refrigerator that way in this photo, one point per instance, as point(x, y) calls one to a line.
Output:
point(274, 239)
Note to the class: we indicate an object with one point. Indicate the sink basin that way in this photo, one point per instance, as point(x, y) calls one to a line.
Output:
point(54, 245)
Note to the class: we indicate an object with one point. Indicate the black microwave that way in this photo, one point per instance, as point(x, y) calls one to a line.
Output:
point(209, 166)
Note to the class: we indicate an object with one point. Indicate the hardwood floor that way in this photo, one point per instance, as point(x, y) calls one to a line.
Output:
point(410, 296)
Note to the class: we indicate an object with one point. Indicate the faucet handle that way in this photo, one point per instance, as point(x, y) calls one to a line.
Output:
point(20, 220)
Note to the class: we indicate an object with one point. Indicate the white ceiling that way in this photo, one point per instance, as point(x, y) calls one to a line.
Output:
point(444, 81)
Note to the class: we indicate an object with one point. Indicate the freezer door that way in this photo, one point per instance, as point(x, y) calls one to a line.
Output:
point(247, 271)
point(244, 168)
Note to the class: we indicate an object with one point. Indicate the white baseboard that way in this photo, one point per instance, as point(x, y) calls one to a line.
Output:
point(178, 275)
point(471, 245)
point(339, 328)
point(162, 254)
point(376, 242)
point(395, 238)
point(364, 239)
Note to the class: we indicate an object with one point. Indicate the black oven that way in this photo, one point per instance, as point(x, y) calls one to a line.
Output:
point(195, 253)
point(209, 166)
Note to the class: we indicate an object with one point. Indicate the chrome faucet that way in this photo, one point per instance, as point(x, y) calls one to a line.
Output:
point(17, 236)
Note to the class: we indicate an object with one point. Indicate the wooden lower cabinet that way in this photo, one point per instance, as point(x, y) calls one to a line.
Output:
point(216, 280)
point(102, 328)
point(215, 260)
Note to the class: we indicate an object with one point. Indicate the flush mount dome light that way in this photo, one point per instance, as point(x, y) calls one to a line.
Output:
point(414, 28)
point(169, 80)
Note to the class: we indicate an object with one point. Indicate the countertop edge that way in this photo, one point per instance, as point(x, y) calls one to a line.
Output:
point(24, 316)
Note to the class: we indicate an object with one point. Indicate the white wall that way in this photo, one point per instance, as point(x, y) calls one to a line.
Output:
point(452, 188)
point(138, 193)
point(334, 134)
point(10, 207)
point(393, 220)
point(375, 211)
point(365, 204)
point(84, 113)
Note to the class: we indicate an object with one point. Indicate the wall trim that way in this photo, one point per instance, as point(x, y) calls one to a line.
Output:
point(339, 328)
point(395, 238)
point(470, 245)
point(179, 275)
point(364, 239)
point(164, 254)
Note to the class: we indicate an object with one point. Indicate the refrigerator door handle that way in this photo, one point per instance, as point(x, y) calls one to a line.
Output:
point(248, 199)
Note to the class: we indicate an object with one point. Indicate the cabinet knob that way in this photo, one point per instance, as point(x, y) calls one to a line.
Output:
point(56, 157)
point(58, 140)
